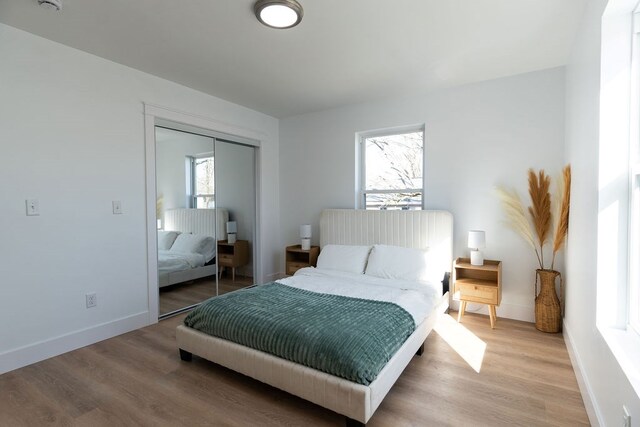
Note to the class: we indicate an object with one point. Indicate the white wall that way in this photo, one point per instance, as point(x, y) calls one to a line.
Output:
point(72, 136)
point(477, 136)
point(603, 383)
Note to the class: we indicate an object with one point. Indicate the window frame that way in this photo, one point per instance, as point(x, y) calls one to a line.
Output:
point(361, 138)
point(633, 291)
point(192, 196)
point(618, 100)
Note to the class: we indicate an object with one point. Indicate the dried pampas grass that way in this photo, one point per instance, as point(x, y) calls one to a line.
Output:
point(562, 216)
point(159, 206)
point(540, 210)
point(536, 227)
point(516, 217)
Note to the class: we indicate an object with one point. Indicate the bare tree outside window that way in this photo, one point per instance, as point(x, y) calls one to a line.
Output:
point(203, 183)
point(393, 166)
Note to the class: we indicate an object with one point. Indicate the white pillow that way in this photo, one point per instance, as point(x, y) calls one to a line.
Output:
point(195, 243)
point(395, 262)
point(166, 239)
point(352, 259)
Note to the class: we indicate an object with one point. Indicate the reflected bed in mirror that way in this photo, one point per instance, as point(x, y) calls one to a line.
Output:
point(187, 245)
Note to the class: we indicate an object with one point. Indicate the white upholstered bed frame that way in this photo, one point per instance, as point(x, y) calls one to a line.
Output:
point(416, 229)
point(208, 222)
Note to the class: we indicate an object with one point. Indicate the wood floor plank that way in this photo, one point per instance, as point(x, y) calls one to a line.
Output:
point(525, 379)
point(178, 296)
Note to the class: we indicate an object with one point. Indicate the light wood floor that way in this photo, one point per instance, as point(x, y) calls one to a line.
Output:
point(182, 295)
point(138, 379)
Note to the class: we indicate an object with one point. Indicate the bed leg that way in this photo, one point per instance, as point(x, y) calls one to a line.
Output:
point(420, 350)
point(185, 355)
point(354, 423)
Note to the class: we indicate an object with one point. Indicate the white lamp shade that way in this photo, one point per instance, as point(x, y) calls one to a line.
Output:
point(476, 239)
point(232, 227)
point(305, 231)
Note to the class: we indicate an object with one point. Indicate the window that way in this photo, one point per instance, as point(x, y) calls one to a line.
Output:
point(634, 183)
point(200, 182)
point(618, 238)
point(391, 170)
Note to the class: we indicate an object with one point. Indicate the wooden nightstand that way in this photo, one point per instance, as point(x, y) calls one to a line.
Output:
point(296, 258)
point(478, 283)
point(232, 255)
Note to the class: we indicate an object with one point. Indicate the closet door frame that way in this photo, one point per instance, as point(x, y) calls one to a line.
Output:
point(160, 116)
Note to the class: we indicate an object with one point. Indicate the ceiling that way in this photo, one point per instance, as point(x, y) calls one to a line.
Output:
point(343, 52)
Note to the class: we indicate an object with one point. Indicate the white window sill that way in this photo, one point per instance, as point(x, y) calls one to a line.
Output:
point(625, 346)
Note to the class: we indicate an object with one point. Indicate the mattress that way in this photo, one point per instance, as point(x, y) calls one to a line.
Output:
point(170, 262)
point(417, 298)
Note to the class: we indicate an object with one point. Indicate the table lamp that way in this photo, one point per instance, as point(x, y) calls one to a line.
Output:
point(475, 242)
point(232, 229)
point(305, 236)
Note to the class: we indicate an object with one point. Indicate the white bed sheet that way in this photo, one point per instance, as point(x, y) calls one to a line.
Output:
point(417, 298)
point(169, 262)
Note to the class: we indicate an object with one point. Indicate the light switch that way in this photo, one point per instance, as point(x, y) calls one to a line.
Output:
point(33, 207)
point(117, 207)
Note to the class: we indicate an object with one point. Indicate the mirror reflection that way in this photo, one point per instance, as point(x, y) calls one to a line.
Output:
point(205, 213)
point(235, 190)
point(186, 218)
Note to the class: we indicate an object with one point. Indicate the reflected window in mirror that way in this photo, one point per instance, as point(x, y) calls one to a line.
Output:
point(200, 181)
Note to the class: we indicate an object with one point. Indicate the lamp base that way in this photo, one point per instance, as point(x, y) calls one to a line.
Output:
point(231, 238)
point(305, 244)
point(477, 258)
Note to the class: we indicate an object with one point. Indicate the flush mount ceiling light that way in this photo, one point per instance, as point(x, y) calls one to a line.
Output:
point(278, 13)
point(51, 4)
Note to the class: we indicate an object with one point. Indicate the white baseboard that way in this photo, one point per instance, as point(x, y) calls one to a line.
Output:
point(32, 353)
point(595, 418)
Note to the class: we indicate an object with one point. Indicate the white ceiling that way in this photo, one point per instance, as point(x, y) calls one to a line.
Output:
point(343, 52)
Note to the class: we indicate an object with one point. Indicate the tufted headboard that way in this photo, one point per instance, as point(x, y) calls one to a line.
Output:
point(198, 221)
point(432, 230)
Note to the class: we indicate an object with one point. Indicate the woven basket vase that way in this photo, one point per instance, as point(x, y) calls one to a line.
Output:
point(548, 312)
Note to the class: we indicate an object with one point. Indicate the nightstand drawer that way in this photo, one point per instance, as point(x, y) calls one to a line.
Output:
point(292, 267)
point(478, 293)
point(226, 258)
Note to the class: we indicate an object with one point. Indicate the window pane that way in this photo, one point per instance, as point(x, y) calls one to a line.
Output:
point(393, 201)
point(204, 175)
point(205, 202)
point(394, 162)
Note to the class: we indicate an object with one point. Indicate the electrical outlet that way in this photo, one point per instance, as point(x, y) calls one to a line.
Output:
point(92, 300)
point(117, 207)
point(626, 417)
point(33, 207)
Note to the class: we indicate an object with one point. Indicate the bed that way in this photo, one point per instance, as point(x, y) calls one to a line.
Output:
point(351, 395)
point(187, 244)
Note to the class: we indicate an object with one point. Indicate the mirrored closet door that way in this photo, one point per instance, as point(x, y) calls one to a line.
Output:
point(205, 213)
point(235, 192)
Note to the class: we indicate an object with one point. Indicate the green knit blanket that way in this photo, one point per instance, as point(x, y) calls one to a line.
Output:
point(347, 337)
